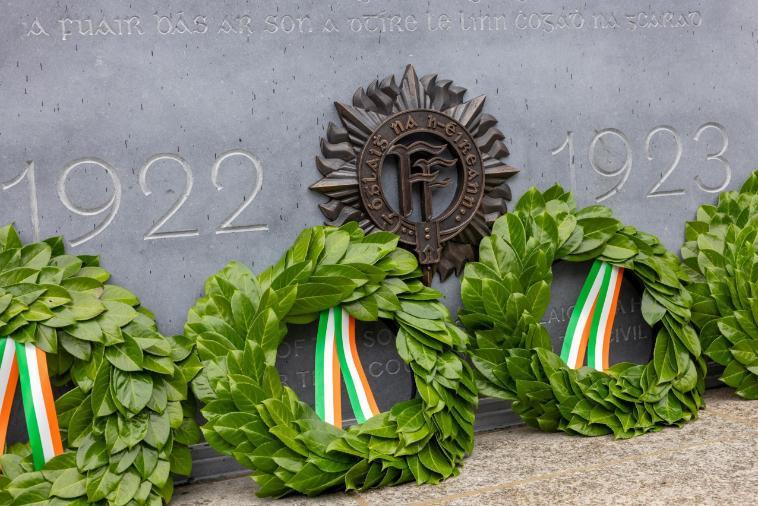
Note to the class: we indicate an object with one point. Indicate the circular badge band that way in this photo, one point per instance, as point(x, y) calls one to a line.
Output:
point(445, 144)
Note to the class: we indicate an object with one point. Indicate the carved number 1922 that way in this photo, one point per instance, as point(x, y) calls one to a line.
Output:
point(111, 207)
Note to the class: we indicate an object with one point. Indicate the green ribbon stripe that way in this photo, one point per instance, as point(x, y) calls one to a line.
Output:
point(592, 360)
point(35, 440)
point(321, 375)
point(568, 340)
point(352, 393)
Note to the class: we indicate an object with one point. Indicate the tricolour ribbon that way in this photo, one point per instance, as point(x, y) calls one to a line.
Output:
point(328, 392)
point(8, 381)
point(592, 319)
point(602, 322)
point(336, 351)
point(27, 363)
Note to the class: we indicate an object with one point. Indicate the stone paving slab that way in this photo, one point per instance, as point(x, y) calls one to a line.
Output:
point(713, 460)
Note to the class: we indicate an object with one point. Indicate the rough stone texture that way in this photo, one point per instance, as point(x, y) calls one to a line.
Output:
point(713, 460)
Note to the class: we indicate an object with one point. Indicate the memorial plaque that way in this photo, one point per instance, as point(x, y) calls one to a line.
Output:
point(170, 137)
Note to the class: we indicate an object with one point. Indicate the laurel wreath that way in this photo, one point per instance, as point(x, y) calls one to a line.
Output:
point(240, 322)
point(506, 293)
point(722, 249)
point(125, 424)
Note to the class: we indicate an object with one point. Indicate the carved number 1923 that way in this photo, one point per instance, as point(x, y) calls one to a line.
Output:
point(625, 169)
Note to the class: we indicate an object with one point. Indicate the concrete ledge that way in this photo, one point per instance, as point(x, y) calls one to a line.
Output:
point(712, 460)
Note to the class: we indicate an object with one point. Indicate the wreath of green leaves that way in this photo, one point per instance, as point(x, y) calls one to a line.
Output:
point(506, 293)
point(240, 322)
point(125, 425)
point(722, 249)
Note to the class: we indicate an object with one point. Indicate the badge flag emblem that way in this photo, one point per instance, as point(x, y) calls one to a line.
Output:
point(417, 160)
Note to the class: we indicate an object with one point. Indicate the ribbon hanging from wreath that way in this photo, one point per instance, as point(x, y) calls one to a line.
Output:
point(336, 351)
point(591, 322)
point(29, 363)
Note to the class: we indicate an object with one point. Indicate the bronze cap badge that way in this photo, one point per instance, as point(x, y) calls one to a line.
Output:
point(419, 161)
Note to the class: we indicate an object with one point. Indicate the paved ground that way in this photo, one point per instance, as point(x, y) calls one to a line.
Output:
point(713, 460)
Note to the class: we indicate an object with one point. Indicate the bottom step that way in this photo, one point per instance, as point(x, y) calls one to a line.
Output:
point(492, 414)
